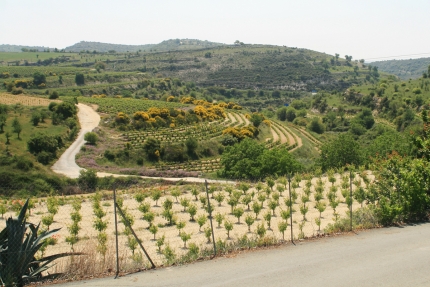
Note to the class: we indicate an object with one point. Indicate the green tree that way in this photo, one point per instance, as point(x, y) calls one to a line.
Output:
point(152, 148)
point(290, 114)
point(249, 220)
point(282, 226)
point(201, 220)
point(219, 218)
point(365, 118)
point(35, 118)
point(281, 113)
point(153, 229)
point(65, 110)
point(256, 207)
point(229, 227)
point(256, 119)
point(192, 145)
point(42, 142)
point(238, 212)
point(242, 160)
point(192, 210)
point(149, 217)
point(80, 79)
point(54, 95)
point(316, 125)
point(88, 179)
point(185, 237)
point(3, 120)
point(39, 78)
point(16, 126)
point(252, 160)
point(278, 161)
point(339, 152)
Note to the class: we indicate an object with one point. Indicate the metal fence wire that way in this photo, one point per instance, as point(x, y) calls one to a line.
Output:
point(124, 228)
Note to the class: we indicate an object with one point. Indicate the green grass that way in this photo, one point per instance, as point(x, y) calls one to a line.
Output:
point(19, 146)
point(127, 105)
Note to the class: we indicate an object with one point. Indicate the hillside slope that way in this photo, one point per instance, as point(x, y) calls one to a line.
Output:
point(207, 64)
point(404, 69)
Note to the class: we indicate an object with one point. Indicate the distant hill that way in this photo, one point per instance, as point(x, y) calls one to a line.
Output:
point(18, 48)
point(173, 44)
point(239, 66)
point(404, 69)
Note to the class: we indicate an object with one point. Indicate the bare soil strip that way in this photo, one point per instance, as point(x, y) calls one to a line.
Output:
point(291, 139)
point(274, 134)
point(283, 139)
point(232, 117)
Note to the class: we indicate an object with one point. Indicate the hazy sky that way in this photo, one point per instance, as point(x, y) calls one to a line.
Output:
point(365, 29)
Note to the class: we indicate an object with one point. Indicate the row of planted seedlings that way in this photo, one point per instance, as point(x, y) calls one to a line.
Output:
point(173, 222)
point(282, 129)
point(286, 130)
point(193, 129)
point(305, 134)
point(172, 136)
point(242, 117)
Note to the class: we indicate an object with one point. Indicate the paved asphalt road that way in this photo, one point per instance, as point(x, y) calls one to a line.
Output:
point(382, 257)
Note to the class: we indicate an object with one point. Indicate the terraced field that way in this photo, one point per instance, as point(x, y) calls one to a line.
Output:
point(281, 135)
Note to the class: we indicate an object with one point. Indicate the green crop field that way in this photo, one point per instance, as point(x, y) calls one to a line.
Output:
point(129, 106)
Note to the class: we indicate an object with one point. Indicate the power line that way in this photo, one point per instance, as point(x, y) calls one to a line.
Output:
point(397, 56)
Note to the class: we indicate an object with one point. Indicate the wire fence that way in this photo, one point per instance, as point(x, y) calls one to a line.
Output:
point(127, 228)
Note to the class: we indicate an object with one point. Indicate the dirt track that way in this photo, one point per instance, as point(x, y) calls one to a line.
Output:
point(66, 164)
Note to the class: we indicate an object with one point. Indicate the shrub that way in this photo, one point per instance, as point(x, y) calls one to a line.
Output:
point(44, 157)
point(316, 125)
point(24, 164)
point(88, 179)
point(79, 79)
point(91, 138)
point(39, 78)
point(174, 152)
point(54, 95)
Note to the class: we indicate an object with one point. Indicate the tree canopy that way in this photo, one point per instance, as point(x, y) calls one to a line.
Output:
point(39, 78)
point(340, 151)
point(251, 160)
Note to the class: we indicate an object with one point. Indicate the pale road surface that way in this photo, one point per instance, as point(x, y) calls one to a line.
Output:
point(381, 257)
point(66, 165)
point(90, 119)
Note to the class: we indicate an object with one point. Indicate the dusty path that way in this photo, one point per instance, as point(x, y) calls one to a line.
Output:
point(90, 119)
point(232, 118)
point(291, 138)
point(274, 134)
point(239, 119)
point(247, 122)
point(66, 164)
point(381, 257)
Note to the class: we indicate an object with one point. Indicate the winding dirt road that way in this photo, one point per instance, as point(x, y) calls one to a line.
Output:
point(66, 164)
